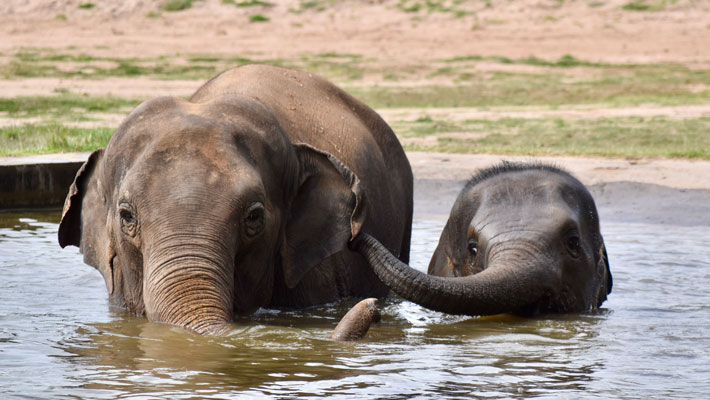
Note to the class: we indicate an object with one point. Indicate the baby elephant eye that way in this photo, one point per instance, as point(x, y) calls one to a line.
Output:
point(473, 247)
point(254, 219)
point(574, 245)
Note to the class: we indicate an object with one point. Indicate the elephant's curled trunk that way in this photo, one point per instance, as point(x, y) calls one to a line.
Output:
point(495, 290)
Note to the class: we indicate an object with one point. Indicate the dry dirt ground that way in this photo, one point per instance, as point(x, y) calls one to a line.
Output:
point(674, 31)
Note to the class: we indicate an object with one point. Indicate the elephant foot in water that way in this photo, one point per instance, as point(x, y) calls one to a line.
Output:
point(357, 321)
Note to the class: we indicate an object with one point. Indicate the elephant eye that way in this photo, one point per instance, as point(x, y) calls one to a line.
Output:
point(473, 247)
point(254, 220)
point(129, 223)
point(573, 244)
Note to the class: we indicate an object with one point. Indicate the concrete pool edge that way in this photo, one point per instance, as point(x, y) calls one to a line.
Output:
point(40, 181)
point(43, 181)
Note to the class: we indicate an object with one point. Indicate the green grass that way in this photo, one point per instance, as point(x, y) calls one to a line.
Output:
point(63, 104)
point(122, 68)
point(334, 66)
point(566, 60)
point(435, 6)
point(616, 137)
point(612, 87)
point(258, 18)
point(46, 63)
point(87, 6)
point(51, 138)
point(645, 5)
point(248, 3)
point(176, 5)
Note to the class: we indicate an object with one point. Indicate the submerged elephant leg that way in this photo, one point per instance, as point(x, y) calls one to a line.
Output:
point(357, 321)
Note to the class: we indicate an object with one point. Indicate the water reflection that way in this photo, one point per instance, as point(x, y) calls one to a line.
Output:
point(58, 336)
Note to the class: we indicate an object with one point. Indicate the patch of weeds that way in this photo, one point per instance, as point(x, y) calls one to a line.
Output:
point(595, 4)
point(409, 7)
point(645, 5)
point(464, 76)
point(51, 138)
point(203, 58)
point(87, 6)
point(153, 14)
point(464, 58)
point(332, 67)
point(636, 5)
point(309, 5)
point(495, 21)
point(16, 69)
point(240, 60)
point(617, 137)
point(352, 57)
point(434, 6)
point(248, 3)
point(258, 18)
point(443, 71)
point(35, 56)
point(60, 17)
point(176, 5)
point(62, 104)
point(566, 60)
point(614, 87)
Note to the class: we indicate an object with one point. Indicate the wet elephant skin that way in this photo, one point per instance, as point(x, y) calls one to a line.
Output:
point(244, 196)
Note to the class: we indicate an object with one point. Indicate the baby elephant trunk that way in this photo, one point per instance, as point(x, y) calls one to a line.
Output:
point(190, 289)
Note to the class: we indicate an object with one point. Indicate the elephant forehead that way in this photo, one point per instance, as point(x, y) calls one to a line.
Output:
point(525, 199)
point(524, 187)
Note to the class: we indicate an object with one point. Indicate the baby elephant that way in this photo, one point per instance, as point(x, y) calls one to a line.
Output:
point(522, 238)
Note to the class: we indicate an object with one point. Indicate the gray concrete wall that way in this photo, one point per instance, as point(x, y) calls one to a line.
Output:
point(35, 184)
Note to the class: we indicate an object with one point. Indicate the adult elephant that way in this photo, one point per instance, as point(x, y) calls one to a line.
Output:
point(522, 238)
point(244, 196)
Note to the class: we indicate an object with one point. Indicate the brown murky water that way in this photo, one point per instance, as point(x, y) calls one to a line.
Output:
point(59, 338)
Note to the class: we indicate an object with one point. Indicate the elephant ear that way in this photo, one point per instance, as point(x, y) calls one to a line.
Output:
point(84, 221)
point(605, 259)
point(325, 214)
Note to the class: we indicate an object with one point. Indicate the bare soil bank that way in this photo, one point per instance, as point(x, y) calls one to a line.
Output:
point(394, 30)
point(657, 191)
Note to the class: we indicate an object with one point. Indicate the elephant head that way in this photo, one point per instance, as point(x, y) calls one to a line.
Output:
point(522, 238)
point(197, 211)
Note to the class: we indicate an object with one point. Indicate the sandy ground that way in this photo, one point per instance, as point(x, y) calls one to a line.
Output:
point(661, 191)
point(545, 28)
point(672, 192)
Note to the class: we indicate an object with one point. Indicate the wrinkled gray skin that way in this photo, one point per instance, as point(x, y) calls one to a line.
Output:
point(244, 196)
point(521, 239)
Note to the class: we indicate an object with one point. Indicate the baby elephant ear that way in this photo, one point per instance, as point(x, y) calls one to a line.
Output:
point(326, 213)
point(605, 259)
point(84, 219)
point(70, 226)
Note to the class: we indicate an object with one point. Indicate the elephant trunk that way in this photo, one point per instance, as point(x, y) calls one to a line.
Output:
point(502, 288)
point(186, 286)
